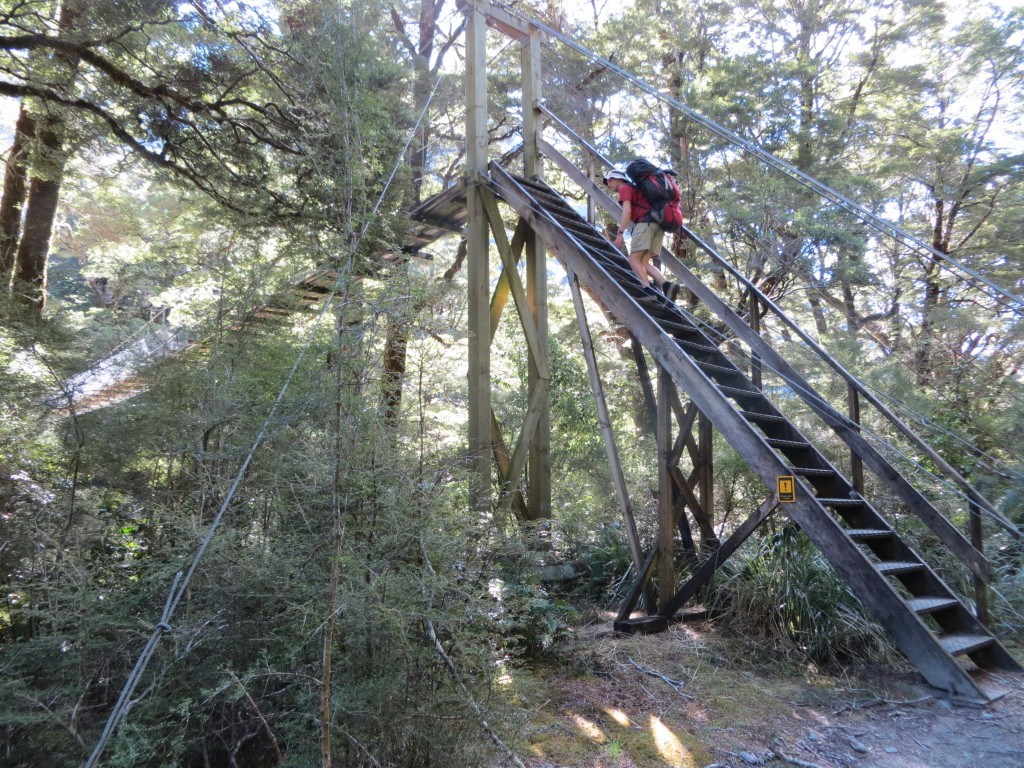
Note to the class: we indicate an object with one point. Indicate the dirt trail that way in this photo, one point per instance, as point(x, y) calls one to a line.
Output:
point(691, 698)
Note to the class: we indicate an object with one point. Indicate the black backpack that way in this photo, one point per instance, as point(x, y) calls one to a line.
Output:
point(659, 187)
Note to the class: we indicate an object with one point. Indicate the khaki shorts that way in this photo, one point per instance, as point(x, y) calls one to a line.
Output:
point(647, 236)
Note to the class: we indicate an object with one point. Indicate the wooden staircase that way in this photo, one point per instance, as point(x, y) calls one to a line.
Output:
point(936, 631)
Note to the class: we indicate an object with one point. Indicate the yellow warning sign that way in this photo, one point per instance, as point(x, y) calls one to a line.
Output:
point(786, 488)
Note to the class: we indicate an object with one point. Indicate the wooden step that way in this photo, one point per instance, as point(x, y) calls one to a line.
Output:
point(812, 471)
point(674, 327)
point(699, 348)
point(931, 604)
point(957, 643)
point(775, 442)
point(746, 394)
point(861, 534)
point(841, 502)
point(766, 418)
point(895, 567)
point(713, 368)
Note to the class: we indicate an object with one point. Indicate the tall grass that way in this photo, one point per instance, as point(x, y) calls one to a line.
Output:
point(781, 591)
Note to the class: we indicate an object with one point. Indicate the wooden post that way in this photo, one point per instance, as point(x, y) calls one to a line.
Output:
point(605, 421)
point(980, 587)
point(591, 203)
point(536, 290)
point(666, 520)
point(856, 462)
point(706, 471)
point(755, 325)
point(478, 264)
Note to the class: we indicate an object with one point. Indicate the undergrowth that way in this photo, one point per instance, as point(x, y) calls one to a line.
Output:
point(780, 590)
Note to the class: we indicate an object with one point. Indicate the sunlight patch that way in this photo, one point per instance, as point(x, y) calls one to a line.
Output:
point(619, 717)
point(589, 728)
point(669, 746)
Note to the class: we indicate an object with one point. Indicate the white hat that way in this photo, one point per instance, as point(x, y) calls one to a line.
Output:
point(615, 173)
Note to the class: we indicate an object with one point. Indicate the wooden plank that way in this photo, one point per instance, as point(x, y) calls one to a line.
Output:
point(477, 268)
point(666, 522)
point(604, 420)
point(515, 284)
point(502, 290)
point(704, 573)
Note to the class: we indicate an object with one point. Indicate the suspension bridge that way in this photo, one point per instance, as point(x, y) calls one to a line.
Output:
point(702, 367)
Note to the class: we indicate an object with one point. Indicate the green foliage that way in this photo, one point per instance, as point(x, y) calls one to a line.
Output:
point(780, 590)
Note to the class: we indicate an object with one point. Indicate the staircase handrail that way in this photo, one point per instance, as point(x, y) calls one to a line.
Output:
point(818, 187)
point(606, 202)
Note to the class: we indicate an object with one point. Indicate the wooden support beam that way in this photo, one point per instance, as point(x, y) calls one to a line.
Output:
point(641, 584)
point(666, 523)
point(503, 462)
point(533, 336)
point(498, 18)
point(604, 420)
point(521, 452)
point(754, 319)
point(502, 290)
point(978, 540)
point(707, 570)
point(705, 443)
point(539, 362)
point(478, 265)
point(645, 381)
point(691, 500)
point(856, 462)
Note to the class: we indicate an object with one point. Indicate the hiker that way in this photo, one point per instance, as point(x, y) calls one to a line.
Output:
point(647, 236)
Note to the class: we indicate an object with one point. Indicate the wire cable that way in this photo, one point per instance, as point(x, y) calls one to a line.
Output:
point(815, 401)
point(820, 188)
point(181, 583)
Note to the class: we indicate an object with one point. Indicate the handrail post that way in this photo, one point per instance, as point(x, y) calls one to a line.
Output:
point(978, 540)
point(856, 462)
point(754, 320)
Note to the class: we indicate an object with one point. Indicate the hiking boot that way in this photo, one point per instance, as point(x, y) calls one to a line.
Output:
point(671, 290)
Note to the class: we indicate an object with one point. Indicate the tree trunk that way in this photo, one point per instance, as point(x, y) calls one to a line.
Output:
point(48, 161)
point(15, 184)
point(397, 341)
point(40, 212)
point(923, 362)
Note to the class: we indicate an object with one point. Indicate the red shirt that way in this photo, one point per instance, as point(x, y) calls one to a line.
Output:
point(640, 205)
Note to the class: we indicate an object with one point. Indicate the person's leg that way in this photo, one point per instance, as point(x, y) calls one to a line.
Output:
point(656, 238)
point(640, 250)
point(653, 271)
point(636, 263)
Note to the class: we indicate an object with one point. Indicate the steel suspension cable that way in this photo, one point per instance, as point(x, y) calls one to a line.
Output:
point(811, 397)
point(181, 583)
point(1004, 296)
